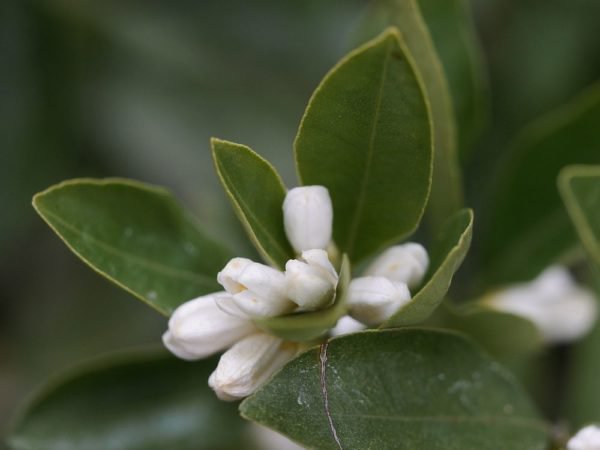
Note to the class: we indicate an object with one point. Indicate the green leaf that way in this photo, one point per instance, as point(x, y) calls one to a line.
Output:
point(313, 325)
point(448, 252)
point(580, 190)
point(446, 189)
point(453, 32)
point(137, 236)
point(366, 136)
point(134, 400)
point(401, 389)
point(502, 334)
point(526, 228)
point(257, 193)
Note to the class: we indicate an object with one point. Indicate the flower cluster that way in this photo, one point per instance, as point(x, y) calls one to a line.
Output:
point(253, 291)
point(588, 438)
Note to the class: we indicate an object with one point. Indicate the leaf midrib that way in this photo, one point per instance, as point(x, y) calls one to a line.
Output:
point(366, 174)
point(162, 269)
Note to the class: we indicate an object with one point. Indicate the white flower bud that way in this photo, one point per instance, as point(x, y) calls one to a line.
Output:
point(308, 217)
point(407, 263)
point(588, 438)
point(373, 300)
point(311, 280)
point(256, 290)
point(561, 310)
point(248, 364)
point(346, 325)
point(198, 328)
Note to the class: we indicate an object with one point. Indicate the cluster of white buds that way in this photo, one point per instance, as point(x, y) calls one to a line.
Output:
point(562, 310)
point(588, 438)
point(225, 320)
point(386, 286)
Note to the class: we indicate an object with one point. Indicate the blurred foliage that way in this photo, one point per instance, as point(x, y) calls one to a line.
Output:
point(136, 89)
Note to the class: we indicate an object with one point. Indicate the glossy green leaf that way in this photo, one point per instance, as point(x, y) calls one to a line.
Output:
point(402, 389)
point(137, 236)
point(366, 136)
point(134, 400)
point(312, 325)
point(580, 190)
point(501, 334)
point(257, 193)
point(526, 228)
point(447, 254)
point(452, 30)
point(446, 188)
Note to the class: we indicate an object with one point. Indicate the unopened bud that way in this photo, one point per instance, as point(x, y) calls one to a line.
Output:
point(256, 289)
point(308, 217)
point(373, 300)
point(346, 325)
point(311, 280)
point(248, 364)
point(588, 438)
point(198, 328)
point(561, 310)
point(407, 263)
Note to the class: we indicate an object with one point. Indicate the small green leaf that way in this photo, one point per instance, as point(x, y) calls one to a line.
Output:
point(133, 400)
point(580, 190)
point(366, 136)
point(401, 389)
point(257, 193)
point(501, 334)
point(448, 252)
point(137, 236)
point(526, 228)
point(313, 325)
point(446, 188)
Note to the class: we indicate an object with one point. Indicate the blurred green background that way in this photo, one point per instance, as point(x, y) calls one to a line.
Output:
point(136, 88)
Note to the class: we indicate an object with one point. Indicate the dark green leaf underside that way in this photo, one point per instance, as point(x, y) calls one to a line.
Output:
point(130, 401)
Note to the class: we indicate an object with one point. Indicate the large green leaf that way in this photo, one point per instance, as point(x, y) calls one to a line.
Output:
point(366, 136)
point(135, 400)
point(448, 252)
point(401, 389)
point(446, 188)
point(454, 36)
point(526, 228)
point(257, 193)
point(580, 190)
point(135, 235)
point(312, 325)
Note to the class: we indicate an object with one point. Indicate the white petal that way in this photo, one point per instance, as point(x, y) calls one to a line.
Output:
point(587, 438)
point(347, 325)
point(229, 276)
point(562, 310)
point(308, 217)
point(198, 328)
point(248, 364)
point(254, 306)
point(407, 263)
point(311, 281)
point(373, 300)
point(264, 281)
